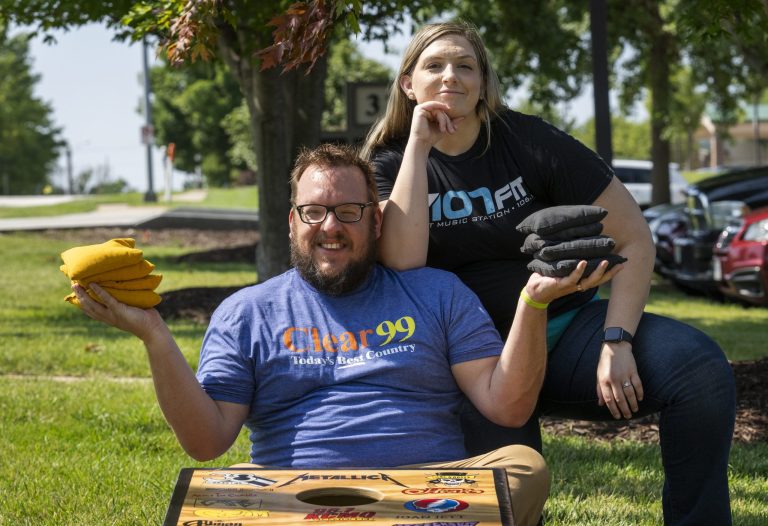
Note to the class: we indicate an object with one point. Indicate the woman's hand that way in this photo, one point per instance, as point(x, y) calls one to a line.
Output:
point(618, 385)
point(431, 122)
point(545, 289)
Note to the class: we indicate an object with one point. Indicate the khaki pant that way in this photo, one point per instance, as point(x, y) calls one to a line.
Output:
point(527, 476)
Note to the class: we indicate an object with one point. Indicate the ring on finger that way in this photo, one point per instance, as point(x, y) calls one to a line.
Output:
point(579, 287)
point(626, 384)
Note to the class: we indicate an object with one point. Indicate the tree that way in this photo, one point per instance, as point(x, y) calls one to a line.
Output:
point(284, 108)
point(687, 107)
point(631, 140)
point(29, 142)
point(190, 109)
point(200, 109)
point(284, 103)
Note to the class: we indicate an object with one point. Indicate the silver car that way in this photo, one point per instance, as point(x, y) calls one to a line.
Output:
point(636, 176)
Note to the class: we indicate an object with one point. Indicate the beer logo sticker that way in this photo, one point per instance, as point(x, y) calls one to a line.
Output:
point(436, 505)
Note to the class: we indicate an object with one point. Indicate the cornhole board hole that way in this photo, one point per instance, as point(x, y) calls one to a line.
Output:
point(392, 497)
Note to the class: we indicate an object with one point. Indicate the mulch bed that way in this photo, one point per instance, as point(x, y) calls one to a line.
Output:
point(240, 245)
point(751, 413)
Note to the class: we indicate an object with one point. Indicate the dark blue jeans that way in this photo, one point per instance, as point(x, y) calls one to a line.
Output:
point(686, 378)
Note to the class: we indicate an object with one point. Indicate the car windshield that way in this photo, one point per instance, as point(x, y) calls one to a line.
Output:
point(714, 216)
point(628, 174)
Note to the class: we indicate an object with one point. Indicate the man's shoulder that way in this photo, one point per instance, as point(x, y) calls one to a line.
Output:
point(268, 289)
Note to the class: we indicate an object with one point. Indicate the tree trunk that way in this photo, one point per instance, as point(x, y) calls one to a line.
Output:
point(285, 110)
point(658, 73)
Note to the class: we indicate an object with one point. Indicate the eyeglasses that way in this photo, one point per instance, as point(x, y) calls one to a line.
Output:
point(346, 212)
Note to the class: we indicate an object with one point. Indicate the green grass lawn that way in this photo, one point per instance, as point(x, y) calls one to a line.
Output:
point(85, 443)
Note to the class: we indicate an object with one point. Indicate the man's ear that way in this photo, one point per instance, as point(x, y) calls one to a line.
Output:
point(407, 86)
point(378, 219)
point(290, 222)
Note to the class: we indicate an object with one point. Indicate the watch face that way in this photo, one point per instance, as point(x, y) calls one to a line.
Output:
point(613, 334)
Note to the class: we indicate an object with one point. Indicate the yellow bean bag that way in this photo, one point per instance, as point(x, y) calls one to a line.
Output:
point(147, 282)
point(137, 270)
point(118, 267)
point(89, 260)
point(144, 299)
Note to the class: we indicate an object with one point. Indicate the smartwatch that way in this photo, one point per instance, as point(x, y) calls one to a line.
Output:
point(616, 334)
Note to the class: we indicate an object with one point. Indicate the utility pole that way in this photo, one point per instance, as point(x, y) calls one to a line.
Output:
point(70, 179)
point(597, 24)
point(756, 128)
point(148, 132)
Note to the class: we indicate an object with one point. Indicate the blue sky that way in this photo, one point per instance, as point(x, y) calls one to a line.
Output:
point(94, 86)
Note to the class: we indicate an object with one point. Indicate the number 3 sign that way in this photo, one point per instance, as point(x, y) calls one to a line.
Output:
point(365, 103)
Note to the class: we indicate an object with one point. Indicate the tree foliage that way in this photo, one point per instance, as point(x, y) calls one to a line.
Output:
point(190, 109)
point(631, 139)
point(29, 141)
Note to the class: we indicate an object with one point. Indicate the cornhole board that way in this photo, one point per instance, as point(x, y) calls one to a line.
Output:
point(392, 497)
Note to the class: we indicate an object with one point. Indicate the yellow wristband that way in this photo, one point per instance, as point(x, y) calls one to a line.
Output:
point(529, 301)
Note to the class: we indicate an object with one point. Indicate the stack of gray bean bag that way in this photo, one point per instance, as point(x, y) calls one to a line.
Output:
point(561, 236)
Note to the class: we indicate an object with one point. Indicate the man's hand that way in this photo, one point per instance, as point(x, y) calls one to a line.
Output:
point(142, 323)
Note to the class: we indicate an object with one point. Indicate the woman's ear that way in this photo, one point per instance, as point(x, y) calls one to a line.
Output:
point(406, 86)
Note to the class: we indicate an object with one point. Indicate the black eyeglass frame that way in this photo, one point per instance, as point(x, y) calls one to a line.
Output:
point(300, 210)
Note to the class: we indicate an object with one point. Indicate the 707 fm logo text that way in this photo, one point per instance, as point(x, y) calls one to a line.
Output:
point(314, 339)
point(339, 514)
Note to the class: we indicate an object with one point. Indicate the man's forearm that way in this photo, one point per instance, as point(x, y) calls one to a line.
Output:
point(519, 373)
point(196, 419)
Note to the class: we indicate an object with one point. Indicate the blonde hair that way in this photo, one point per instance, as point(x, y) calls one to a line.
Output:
point(396, 121)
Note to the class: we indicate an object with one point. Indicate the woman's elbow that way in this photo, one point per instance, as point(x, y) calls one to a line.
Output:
point(400, 259)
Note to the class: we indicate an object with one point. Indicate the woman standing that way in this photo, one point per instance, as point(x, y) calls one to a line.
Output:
point(457, 172)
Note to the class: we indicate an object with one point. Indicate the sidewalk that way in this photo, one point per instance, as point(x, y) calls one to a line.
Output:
point(121, 215)
point(112, 215)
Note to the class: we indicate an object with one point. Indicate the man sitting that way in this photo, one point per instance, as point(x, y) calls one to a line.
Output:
point(341, 362)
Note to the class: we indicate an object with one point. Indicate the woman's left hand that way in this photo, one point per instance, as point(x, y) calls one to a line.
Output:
point(618, 385)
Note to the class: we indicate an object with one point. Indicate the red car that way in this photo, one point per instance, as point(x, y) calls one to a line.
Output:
point(741, 259)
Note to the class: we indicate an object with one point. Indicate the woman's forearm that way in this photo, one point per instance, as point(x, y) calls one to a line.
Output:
point(405, 232)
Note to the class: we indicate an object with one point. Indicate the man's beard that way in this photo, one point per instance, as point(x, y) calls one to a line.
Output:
point(346, 280)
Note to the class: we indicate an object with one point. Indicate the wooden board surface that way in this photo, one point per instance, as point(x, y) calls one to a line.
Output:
point(392, 497)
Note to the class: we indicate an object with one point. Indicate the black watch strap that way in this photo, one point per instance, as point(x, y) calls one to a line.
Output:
point(616, 334)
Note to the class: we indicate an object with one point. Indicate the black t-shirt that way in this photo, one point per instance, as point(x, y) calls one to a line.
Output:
point(476, 200)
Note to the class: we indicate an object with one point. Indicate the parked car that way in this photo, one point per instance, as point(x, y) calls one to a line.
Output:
point(712, 206)
point(666, 222)
point(636, 176)
point(740, 264)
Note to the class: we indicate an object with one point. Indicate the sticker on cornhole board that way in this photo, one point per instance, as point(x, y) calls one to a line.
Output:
point(392, 497)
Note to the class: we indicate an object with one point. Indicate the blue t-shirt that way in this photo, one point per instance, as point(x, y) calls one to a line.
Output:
point(359, 380)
